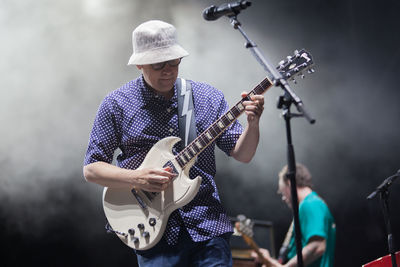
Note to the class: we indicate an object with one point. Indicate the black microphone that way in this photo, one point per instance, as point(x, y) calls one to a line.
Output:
point(214, 13)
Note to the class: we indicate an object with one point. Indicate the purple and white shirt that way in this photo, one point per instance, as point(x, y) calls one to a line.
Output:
point(133, 118)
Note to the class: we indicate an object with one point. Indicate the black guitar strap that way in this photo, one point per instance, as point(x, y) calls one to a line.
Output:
point(186, 119)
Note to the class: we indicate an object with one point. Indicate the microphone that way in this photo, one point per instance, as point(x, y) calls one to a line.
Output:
point(214, 12)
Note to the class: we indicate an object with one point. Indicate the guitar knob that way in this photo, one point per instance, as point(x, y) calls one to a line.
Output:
point(146, 234)
point(152, 221)
point(140, 226)
point(135, 240)
point(131, 231)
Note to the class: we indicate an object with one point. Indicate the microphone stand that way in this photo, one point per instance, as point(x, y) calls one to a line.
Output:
point(285, 102)
point(383, 189)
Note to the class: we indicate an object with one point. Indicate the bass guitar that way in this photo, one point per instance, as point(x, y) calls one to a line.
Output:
point(139, 217)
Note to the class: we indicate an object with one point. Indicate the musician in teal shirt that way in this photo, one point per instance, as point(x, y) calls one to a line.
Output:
point(316, 221)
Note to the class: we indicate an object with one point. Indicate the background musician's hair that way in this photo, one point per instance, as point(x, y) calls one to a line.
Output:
point(303, 175)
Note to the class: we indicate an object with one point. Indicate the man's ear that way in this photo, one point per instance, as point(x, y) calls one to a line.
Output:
point(139, 67)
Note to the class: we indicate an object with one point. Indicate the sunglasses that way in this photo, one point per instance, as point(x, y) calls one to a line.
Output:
point(161, 65)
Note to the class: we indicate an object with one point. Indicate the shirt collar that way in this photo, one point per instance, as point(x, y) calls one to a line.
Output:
point(150, 98)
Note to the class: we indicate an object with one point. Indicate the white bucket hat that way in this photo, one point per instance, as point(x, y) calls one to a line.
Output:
point(155, 41)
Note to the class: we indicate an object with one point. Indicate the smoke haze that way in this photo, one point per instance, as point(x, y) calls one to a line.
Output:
point(60, 58)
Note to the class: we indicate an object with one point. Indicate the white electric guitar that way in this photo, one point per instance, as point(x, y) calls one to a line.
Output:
point(139, 217)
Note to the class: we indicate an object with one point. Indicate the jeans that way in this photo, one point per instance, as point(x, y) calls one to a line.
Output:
point(213, 252)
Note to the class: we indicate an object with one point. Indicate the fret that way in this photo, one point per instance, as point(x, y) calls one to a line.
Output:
point(186, 153)
point(179, 161)
point(225, 120)
point(259, 89)
point(203, 143)
point(229, 114)
point(192, 150)
point(198, 144)
point(212, 131)
point(240, 106)
point(195, 147)
point(185, 158)
point(208, 135)
point(235, 111)
point(216, 129)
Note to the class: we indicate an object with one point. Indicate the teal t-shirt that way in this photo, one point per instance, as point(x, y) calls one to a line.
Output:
point(316, 220)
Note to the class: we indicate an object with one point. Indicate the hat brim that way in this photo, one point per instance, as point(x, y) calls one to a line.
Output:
point(158, 55)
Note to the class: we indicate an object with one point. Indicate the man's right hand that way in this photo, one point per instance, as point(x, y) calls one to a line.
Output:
point(153, 180)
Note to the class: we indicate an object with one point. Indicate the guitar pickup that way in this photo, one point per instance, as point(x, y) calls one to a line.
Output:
point(169, 164)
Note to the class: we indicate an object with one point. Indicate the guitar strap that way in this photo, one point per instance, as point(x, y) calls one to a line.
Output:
point(186, 119)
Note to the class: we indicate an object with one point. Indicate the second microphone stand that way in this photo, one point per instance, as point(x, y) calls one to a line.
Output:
point(285, 102)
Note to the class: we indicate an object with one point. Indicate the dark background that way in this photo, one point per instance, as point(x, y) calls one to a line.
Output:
point(60, 58)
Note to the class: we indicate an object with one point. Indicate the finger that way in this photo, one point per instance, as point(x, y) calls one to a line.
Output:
point(253, 109)
point(153, 188)
point(166, 172)
point(158, 179)
point(244, 94)
point(170, 171)
point(257, 98)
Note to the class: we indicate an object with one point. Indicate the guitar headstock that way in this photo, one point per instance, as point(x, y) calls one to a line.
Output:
point(296, 65)
point(244, 226)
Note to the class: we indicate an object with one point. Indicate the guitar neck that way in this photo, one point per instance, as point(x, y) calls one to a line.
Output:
point(218, 127)
point(250, 241)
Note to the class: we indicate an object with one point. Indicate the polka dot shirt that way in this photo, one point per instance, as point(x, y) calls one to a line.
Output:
point(133, 118)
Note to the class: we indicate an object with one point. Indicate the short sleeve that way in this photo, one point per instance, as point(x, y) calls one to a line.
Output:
point(227, 140)
point(314, 220)
point(104, 135)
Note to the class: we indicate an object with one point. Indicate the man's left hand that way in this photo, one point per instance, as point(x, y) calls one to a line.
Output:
point(254, 107)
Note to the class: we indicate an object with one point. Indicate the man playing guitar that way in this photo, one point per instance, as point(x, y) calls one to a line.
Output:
point(316, 221)
point(142, 112)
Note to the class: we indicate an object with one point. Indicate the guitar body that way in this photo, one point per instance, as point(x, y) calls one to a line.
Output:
point(125, 209)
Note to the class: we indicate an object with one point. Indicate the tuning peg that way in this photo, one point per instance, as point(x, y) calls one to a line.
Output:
point(311, 71)
point(296, 53)
point(289, 59)
point(288, 75)
point(281, 64)
point(302, 76)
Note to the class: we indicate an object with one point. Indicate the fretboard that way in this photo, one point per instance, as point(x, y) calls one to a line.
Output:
point(218, 127)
